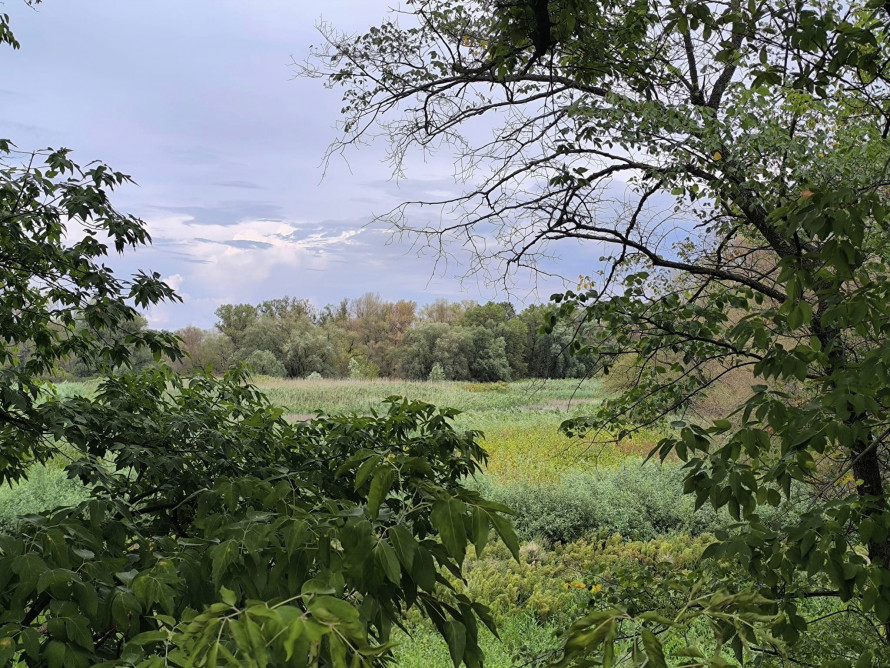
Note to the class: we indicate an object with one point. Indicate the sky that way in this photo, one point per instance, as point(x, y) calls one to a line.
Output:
point(197, 101)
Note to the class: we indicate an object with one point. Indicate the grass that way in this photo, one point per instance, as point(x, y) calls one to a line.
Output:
point(520, 420)
point(521, 639)
point(305, 397)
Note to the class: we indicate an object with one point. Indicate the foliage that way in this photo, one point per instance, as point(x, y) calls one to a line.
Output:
point(362, 369)
point(214, 532)
point(45, 488)
point(640, 503)
point(479, 342)
point(436, 374)
point(265, 363)
point(58, 300)
point(555, 585)
point(753, 235)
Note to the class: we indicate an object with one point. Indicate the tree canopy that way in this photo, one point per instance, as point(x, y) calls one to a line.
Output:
point(728, 161)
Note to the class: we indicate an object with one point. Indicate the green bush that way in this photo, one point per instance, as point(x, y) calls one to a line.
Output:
point(636, 501)
point(437, 374)
point(44, 489)
point(264, 363)
point(555, 586)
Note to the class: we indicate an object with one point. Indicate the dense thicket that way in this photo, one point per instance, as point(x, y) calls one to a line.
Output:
point(369, 337)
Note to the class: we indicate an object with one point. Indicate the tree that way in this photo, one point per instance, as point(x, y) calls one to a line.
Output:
point(747, 230)
point(235, 320)
point(215, 533)
point(418, 355)
point(501, 319)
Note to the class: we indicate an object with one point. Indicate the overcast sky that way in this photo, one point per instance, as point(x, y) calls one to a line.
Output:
point(196, 100)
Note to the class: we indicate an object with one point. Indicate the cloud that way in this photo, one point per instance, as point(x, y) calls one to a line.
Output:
point(230, 212)
point(247, 185)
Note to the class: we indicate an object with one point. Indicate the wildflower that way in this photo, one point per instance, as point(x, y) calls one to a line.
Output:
point(718, 156)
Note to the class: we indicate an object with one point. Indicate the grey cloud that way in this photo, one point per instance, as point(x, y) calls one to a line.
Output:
point(243, 244)
point(227, 213)
point(247, 185)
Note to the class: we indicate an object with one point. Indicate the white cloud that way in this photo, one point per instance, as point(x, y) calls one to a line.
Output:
point(230, 256)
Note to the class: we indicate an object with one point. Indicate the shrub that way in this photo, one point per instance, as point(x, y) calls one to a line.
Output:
point(437, 373)
point(314, 376)
point(640, 502)
point(45, 488)
point(362, 368)
point(554, 586)
point(264, 363)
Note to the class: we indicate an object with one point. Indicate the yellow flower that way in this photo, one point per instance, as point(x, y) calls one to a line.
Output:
point(596, 589)
point(718, 155)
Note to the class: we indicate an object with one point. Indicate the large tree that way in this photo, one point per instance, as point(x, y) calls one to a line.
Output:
point(729, 161)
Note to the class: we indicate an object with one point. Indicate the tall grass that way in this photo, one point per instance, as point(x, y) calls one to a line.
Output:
point(304, 397)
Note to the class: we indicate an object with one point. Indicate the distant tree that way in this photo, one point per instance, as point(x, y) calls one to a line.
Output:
point(267, 333)
point(437, 374)
point(307, 350)
point(234, 320)
point(287, 308)
point(500, 318)
point(418, 354)
point(444, 311)
point(472, 353)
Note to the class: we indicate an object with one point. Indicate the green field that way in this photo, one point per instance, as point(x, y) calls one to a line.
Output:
point(520, 420)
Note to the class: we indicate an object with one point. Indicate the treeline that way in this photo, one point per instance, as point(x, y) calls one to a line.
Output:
point(370, 337)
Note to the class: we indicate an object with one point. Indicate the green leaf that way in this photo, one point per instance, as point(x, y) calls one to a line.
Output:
point(330, 610)
point(424, 570)
point(456, 637)
point(380, 486)
point(404, 544)
point(148, 637)
point(365, 470)
point(447, 518)
point(227, 595)
point(480, 528)
point(654, 651)
point(55, 654)
point(505, 530)
point(386, 557)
